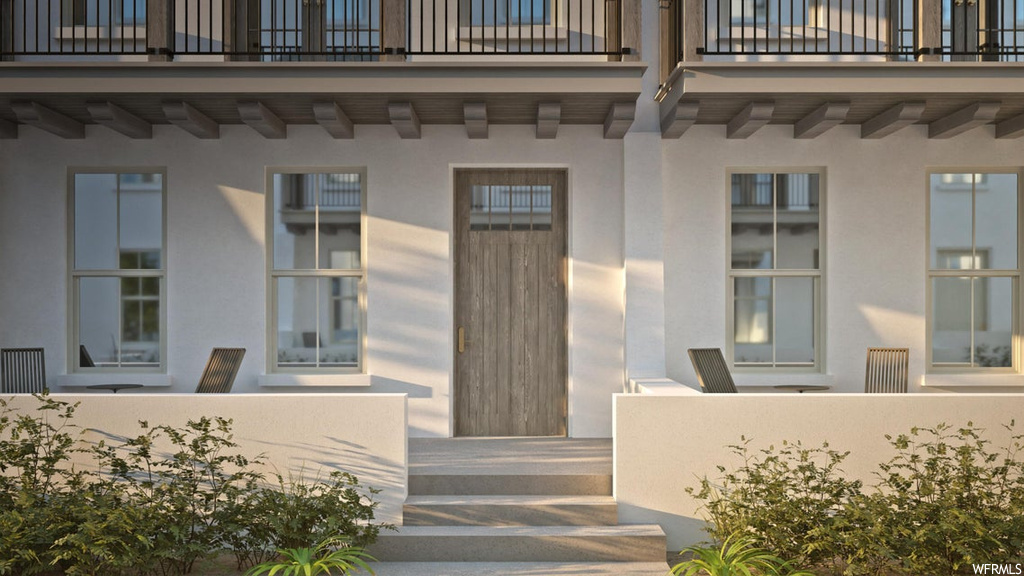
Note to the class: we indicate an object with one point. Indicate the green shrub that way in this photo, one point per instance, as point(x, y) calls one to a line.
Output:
point(945, 500)
point(141, 512)
point(737, 556)
point(781, 496)
point(331, 556)
point(951, 500)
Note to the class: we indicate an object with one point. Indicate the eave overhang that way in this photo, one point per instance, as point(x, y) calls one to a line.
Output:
point(957, 96)
point(366, 92)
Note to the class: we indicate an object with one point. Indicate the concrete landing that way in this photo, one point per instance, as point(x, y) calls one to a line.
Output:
point(519, 568)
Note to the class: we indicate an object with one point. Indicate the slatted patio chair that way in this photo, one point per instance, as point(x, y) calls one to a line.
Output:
point(220, 371)
point(886, 370)
point(84, 358)
point(712, 371)
point(22, 371)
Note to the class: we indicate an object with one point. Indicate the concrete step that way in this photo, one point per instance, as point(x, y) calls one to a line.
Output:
point(519, 568)
point(510, 511)
point(510, 484)
point(627, 543)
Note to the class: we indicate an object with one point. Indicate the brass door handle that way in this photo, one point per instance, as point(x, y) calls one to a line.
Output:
point(462, 340)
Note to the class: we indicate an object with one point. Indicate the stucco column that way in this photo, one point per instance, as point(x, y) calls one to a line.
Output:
point(644, 256)
point(644, 246)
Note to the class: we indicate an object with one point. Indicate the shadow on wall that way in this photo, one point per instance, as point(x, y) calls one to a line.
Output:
point(305, 460)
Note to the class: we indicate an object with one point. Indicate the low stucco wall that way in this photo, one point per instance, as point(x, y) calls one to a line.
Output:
point(307, 434)
point(664, 444)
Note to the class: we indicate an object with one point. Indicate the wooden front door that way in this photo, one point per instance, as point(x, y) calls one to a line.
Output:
point(510, 271)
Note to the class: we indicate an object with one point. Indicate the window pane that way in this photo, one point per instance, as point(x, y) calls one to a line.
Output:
point(98, 312)
point(542, 207)
point(501, 207)
point(96, 222)
point(951, 319)
point(951, 217)
point(296, 321)
point(294, 222)
point(340, 202)
point(753, 320)
point(129, 286)
point(480, 210)
point(339, 335)
point(794, 324)
point(797, 214)
point(141, 216)
point(995, 204)
point(752, 221)
point(993, 321)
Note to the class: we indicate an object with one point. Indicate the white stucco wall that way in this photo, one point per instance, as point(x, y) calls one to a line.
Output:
point(299, 436)
point(875, 248)
point(667, 443)
point(216, 266)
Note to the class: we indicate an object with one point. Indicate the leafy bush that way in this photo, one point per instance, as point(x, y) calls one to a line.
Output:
point(945, 500)
point(331, 556)
point(737, 555)
point(142, 511)
point(952, 501)
point(779, 497)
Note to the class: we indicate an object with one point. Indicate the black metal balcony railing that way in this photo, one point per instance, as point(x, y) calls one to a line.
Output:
point(279, 29)
point(249, 29)
point(307, 29)
point(990, 30)
point(797, 27)
point(890, 29)
point(514, 27)
point(38, 27)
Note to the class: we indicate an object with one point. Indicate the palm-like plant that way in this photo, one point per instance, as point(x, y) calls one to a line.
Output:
point(330, 556)
point(737, 557)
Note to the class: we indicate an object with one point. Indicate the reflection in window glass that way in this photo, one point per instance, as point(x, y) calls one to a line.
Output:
point(774, 263)
point(753, 226)
point(510, 208)
point(974, 270)
point(118, 233)
point(317, 270)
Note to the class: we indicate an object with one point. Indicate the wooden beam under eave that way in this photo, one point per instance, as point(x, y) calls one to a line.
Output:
point(405, 120)
point(826, 117)
point(549, 115)
point(262, 120)
point(1010, 128)
point(185, 116)
point(35, 114)
point(620, 118)
point(474, 115)
point(750, 120)
point(333, 119)
point(8, 130)
point(679, 119)
point(964, 119)
point(119, 120)
point(896, 118)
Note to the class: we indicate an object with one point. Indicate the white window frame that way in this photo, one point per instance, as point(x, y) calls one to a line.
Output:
point(75, 275)
point(273, 274)
point(817, 274)
point(932, 273)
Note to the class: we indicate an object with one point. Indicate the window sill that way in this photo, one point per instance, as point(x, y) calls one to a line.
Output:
point(968, 380)
point(313, 380)
point(148, 380)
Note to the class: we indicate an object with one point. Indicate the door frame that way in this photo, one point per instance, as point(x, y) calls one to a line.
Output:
point(452, 247)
